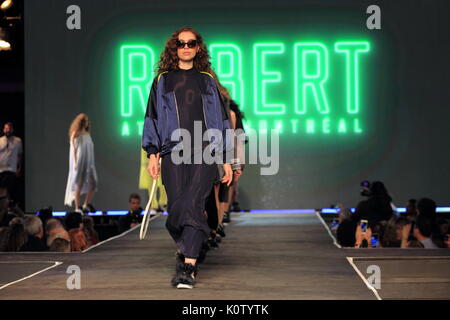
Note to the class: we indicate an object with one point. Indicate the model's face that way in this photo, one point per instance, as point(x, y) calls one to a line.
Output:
point(186, 53)
point(134, 204)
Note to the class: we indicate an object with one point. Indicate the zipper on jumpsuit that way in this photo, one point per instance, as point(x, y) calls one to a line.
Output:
point(176, 107)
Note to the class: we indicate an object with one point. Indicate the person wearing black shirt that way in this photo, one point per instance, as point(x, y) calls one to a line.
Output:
point(186, 70)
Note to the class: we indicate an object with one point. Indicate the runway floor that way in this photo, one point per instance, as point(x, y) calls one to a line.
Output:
point(288, 256)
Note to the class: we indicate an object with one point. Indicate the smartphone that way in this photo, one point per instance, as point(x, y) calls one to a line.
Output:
point(335, 223)
point(363, 225)
point(374, 240)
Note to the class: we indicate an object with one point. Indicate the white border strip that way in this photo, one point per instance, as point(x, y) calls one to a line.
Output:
point(328, 230)
point(119, 235)
point(56, 263)
point(375, 292)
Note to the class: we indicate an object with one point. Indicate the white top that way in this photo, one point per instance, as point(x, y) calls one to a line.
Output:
point(10, 150)
point(82, 173)
point(428, 244)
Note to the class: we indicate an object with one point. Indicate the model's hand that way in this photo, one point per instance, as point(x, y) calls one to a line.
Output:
point(228, 177)
point(237, 174)
point(153, 166)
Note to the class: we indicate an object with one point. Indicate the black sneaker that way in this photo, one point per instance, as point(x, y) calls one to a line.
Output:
point(212, 243)
point(91, 208)
point(221, 231)
point(235, 207)
point(180, 261)
point(185, 278)
point(226, 217)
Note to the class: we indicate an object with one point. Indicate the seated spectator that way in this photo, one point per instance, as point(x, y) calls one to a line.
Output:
point(411, 209)
point(4, 204)
point(53, 224)
point(73, 220)
point(377, 207)
point(422, 233)
point(77, 240)
point(45, 215)
point(7, 213)
point(4, 234)
point(345, 233)
point(392, 234)
point(35, 231)
point(89, 231)
point(440, 230)
point(74, 223)
point(427, 207)
point(16, 237)
point(60, 245)
point(133, 217)
point(54, 229)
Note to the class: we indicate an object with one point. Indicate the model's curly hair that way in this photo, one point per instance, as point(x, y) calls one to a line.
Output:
point(169, 57)
point(78, 124)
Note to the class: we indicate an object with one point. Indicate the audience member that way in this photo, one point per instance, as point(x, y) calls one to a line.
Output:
point(377, 207)
point(421, 232)
point(411, 209)
point(133, 217)
point(16, 237)
point(89, 231)
point(60, 245)
point(74, 225)
point(35, 231)
point(78, 240)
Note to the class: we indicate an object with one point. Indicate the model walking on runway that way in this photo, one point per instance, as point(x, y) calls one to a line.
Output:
point(185, 92)
point(82, 177)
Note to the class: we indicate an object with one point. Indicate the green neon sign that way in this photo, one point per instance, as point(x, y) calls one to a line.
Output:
point(304, 88)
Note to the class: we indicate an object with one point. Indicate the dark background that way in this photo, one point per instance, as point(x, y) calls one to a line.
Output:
point(12, 77)
point(405, 144)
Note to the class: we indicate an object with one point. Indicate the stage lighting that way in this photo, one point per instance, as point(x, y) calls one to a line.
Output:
point(6, 5)
point(4, 44)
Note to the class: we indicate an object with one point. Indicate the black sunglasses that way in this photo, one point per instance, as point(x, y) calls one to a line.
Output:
point(191, 44)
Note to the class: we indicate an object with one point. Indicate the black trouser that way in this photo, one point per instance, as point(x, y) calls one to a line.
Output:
point(8, 180)
point(212, 210)
point(187, 187)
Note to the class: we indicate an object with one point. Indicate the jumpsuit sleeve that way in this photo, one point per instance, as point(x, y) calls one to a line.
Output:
point(151, 141)
point(228, 143)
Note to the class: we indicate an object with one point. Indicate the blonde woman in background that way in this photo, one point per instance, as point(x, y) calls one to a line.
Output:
point(82, 174)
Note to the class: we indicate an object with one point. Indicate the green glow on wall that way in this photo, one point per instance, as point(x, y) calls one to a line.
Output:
point(228, 61)
point(307, 84)
point(307, 88)
point(262, 77)
point(136, 75)
point(352, 51)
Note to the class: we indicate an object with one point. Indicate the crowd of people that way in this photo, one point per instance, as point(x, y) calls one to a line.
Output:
point(376, 223)
point(43, 232)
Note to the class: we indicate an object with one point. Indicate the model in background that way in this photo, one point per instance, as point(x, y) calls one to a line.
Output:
point(82, 174)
